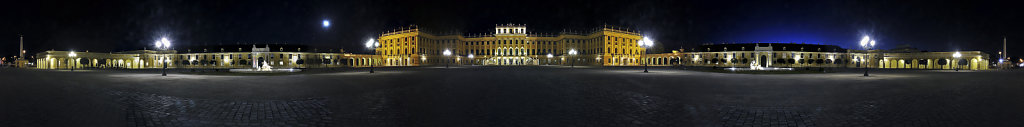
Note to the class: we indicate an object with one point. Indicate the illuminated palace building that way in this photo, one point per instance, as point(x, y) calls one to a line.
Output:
point(514, 45)
point(511, 45)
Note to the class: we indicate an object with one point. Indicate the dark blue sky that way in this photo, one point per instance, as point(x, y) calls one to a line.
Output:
point(134, 24)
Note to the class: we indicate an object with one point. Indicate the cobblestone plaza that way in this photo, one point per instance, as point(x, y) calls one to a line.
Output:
point(511, 96)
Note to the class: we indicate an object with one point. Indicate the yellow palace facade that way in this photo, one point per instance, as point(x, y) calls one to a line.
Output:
point(510, 44)
point(515, 45)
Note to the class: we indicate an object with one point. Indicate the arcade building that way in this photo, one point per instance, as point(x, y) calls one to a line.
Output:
point(790, 55)
point(515, 45)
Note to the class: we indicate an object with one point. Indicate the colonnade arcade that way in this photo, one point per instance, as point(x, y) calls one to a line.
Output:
point(661, 60)
point(399, 61)
point(947, 63)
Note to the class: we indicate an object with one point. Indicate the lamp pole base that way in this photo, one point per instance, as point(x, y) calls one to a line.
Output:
point(164, 71)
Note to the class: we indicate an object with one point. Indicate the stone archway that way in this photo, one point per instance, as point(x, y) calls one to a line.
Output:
point(259, 62)
point(763, 61)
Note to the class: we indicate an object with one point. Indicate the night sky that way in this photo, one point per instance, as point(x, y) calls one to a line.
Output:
point(111, 25)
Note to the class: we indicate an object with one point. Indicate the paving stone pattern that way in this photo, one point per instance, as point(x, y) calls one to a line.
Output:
point(514, 96)
point(156, 110)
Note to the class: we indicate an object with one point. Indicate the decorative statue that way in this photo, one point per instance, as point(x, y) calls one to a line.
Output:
point(754, 65)
point(265, 67)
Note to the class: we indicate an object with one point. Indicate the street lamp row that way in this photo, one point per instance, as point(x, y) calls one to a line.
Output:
point(646, 43)
point(867, 44)
point(72, 54)
point(163, 44)
point(447, 54)
point(371, 44)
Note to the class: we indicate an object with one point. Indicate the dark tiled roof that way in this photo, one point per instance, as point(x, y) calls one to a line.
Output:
point(775, 47)
point(244, 48)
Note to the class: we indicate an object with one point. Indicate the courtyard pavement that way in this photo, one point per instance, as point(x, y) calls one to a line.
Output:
point(511, 96)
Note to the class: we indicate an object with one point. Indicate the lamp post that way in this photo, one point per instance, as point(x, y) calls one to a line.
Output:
point(447, 57)
point(163, 44)
point(470, 59)
point(866, 43)
point(549, 58)
point(73, 55)
point(371, 44)
point(572, 56)
point(956, 57)
point(646, 43)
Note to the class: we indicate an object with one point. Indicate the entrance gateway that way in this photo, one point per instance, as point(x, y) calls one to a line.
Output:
point(261, 64)
point(763, 60)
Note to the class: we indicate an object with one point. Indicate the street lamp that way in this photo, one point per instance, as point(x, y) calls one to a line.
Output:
point(646, 43)
point(470, 59)
point(866, 43)
point(957, 59)
point(163, 44)
point(549, 58)
point(572, 56)
point(73, 55)
point(447, 54)
point(370, 44)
